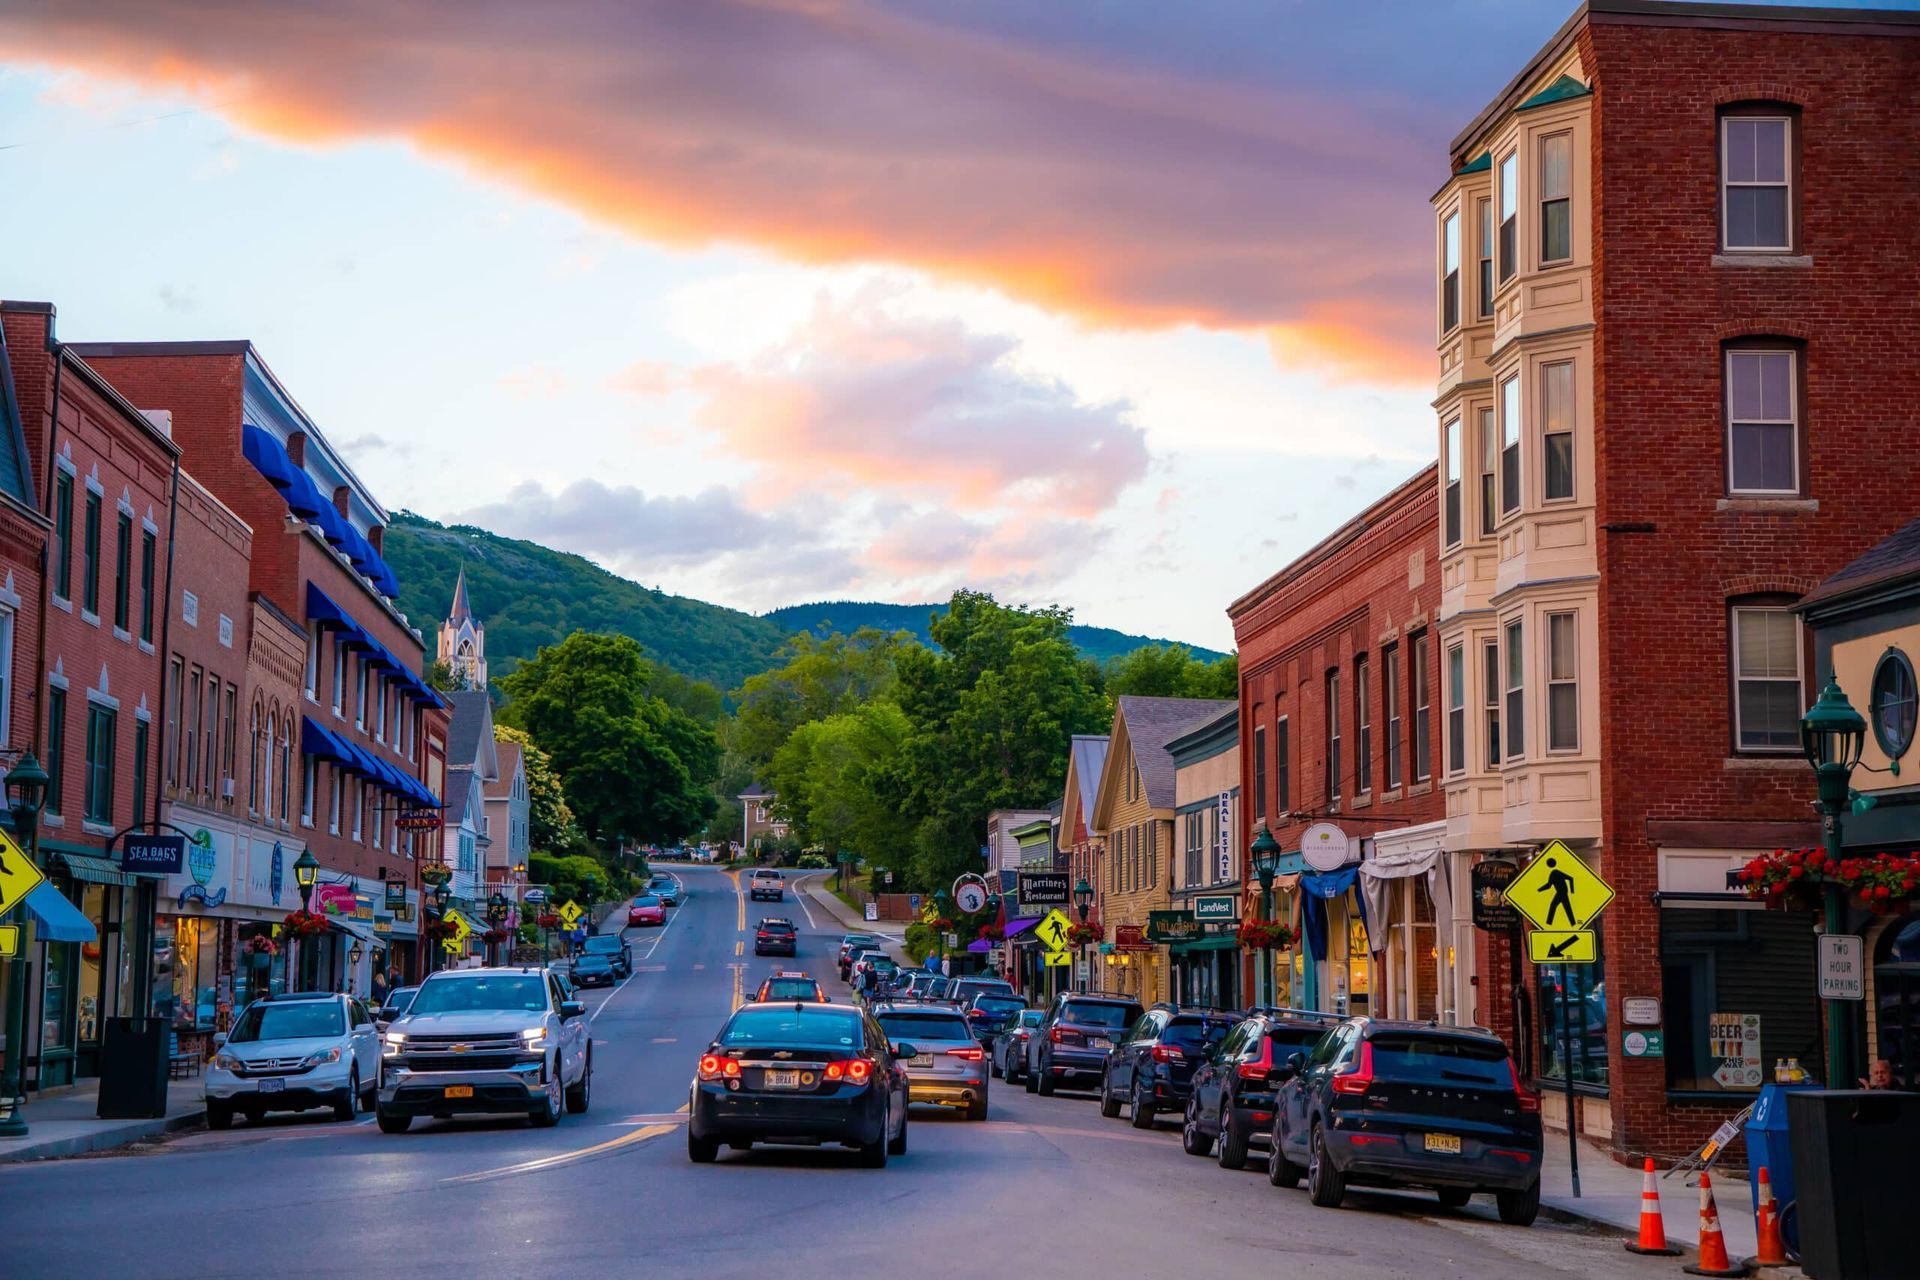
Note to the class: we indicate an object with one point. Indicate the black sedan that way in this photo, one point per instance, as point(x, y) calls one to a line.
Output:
point(593, 971)
point(802, 1074)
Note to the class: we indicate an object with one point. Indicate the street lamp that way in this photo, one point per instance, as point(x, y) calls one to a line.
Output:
point(1832, 734)
point(497, 912)
point(306, 872)
point(1083, 903)
point(26, 793)
point(355, 954)
point(442, 894)
point(1266, 861)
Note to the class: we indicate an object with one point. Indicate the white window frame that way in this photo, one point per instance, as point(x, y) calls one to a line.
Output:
point(1507, 209)
point(1549, 370)
point(1792, 421)
point(339, 677)
point(1456, 658)
point(1733, 662)
point(1453, 511)
point(1570, 619)
point(1511, 431)
point(1513, 690)
point(1726, 183)
point(1493, 741)
point(1450, 271)
point(1548, 198)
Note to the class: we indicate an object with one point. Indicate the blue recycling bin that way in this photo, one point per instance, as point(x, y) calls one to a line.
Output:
point(1767, 1146)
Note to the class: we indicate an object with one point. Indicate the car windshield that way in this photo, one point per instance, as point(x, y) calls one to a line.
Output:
point(858, 939)
point(999, 1004)
point(593, 962)
point(791, 989)
point(1195, 1032)
point(602, 943)
point(1442, 1060)
point(646, 900)
point(1090, 1014)
point(815, 1027)
point(482, 995)
point(295, 1020)
point(925, 1026)
point(882, 962)
point(1032, 1017)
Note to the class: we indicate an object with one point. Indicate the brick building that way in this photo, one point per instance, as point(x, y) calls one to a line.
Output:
point(1338, 672)
point(1670, 403)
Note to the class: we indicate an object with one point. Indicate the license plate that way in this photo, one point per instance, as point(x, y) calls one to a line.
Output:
point(457, 1091)
point(920, 1060)
point(783, 1079)
point(273, 1086)
point(1101, 1042)
point(1446, 1142)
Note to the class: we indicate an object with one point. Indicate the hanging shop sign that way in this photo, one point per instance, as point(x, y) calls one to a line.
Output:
point(161, 855)
point(1218, 908)
point(1173, 926)
point(1045, 888)
point(1325, 847)
point(1490, 909)
point(1223, 836)
point(396, 894)
point(1130, 937)
point(417, 819)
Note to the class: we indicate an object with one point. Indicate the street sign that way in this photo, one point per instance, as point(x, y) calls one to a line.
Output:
point(570, 913)
point(953, 940)
point(1573, 946)
point(1490, 881)
point(1325, 847)
point(18, 876)
point(1219, 908)
point(871, 910)
point(1558, 891)
point(970, 897)
point(1057, 959)
point(1640, 1011)
point(1645, 1044)
point(161, 855)
point(9, 940)
point(1045, 888)
point(1843, 974)
point(1052, 930)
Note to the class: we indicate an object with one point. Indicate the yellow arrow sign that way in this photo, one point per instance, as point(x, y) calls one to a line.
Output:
point(18, 876)
point(1052, 930)
point(1571, 946)
point(9, 939)
point(1058, 959)
point(1558, 891)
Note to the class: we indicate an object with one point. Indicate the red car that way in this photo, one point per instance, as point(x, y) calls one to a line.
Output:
point(646, 909)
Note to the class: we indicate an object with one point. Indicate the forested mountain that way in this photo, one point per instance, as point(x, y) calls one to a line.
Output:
point(848, 616)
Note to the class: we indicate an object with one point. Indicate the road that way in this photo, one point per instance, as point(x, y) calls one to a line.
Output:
point(309, 1197)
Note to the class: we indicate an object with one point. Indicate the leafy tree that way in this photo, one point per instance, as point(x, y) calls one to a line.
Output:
point(550, 820)
point(439, 674)
point(818, 678)
point(1171, 671)
point(832, 780)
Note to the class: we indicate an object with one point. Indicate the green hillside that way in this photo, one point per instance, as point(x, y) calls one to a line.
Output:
point(1099, 643)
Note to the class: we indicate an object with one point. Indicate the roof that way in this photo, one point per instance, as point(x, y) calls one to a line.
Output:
point(756, 790)
point(508, 753)
point(461, 610)
point(472, 726)
point(459, 791)
point(1559, 91)
point(1089, 752)
point(1154, 722)
point(1893, 557)
point(1207, 736)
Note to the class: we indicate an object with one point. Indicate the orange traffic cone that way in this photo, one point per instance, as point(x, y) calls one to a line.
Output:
point(1713, 1246)
point(1766, 1222)
point(1653, 1228)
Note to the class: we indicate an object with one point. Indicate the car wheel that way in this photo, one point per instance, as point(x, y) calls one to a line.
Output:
point(1326, 1186)
point(1233, 1144)
point(977, 1109)
point(873, 1155)
point(702, 1150)
point(394, 1124)
point(994, 1068)
point(1192, 1141)
point(547, 1114)
point(1281, 1172)
point(219, 1114)
point(1109, 1105)
point(1045, 1086)
point(1029, 1080)
point(1142, 1109)
point(898, 1147)
point(1455, 1197)
point(581, 1095)
point(348, 1108)
point(1519, 1208)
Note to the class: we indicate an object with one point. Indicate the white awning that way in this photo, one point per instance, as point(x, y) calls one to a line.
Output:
point(1398, 854)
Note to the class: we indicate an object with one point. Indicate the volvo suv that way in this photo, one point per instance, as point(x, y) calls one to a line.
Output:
point(499, 1041)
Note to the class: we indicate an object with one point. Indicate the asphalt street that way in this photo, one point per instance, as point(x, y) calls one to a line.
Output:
point(305, 1196)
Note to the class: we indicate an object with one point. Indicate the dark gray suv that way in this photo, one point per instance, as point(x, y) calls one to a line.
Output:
point(1070, 1048)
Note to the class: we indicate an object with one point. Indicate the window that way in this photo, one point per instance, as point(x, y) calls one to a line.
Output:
point(309, 783)
point(123, 572)
point(359, 791)
point(1333, 738)
point(147, 544)
point(1450, 273)
point(56, 761)
point(63, 536)
point(1892, 702)
point(1509, 214)
point(1556, 428)
point(1563, 688)
point(1584, 989)
point(379, 709)
point(1716, 961)
point(1483, 214)
point(228, 771)
point(1490, 700)
point(1516, 693)
point(90, 557)
point(99, 790)
point(312, 685)
point(333, 809)
point(1556, 198)
point(1456, 709)
point(174, 720)
point(286, 769)
point(1756, 177)
point(1767, 683)
point(379, 822)
point(1450, 500)
point(141, 731)
point(190, 715)
point(1282, 767)
point(1489, 471)
point(360, 694)
point(1510, 445)
point(1422, 708)
point(255, 763)
point(1260, 772)
point(1763, 454)
point(209, 780)
point(1390, 699)
point(1193, 828)
point(1362, 728)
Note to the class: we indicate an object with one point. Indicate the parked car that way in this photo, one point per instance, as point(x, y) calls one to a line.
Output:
point(294, 1053)
point(496, 1041)
point(593, 971)
point(1408, 1104)
point(989, 1012)
point(923, 985)
point(776, 936)
point(1008, 1053)
point(766, 883)
point(1070, 1047)
point(790, 985)
point(965, 989)
point(1151, 1068)
point(395, 1005)
point(645, 910)
point(667, 889)
point(1232, 1099)
point(813, 1074)
point(949, 1069)
point(615, 948)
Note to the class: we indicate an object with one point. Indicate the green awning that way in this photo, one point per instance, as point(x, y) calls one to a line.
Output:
point(1559, 91)
point(1226, 942)
point(94, 870)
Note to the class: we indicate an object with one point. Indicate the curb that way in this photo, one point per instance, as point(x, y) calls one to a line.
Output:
point(103, 1139)
point(1561, 1212)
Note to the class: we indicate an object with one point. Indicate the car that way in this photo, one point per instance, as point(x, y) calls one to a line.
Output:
point(398, 998)
point(495, 1041)
point(1408, 1104)
point(766, 883)
point(850, 944)
point(701, 855)
point(645, 910)
point(1231, 1102)
point(791, 985)
point(921, 984)
point(775, 935)
point(667, 889)
point(1150, 1069)
point(593, 970)
point(1008, 1053)
point(1070, 1047)
point(615, 948)
point(860, 955)
point(989, 1012)
point(803, 1074)
point(294, 1053)
point(965, 989)
point(875, 961)
point(950, 1067)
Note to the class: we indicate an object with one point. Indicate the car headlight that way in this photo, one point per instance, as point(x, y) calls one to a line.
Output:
point(226, 1062)
point(327, 1055)
point(392, 1043)
point(534, 1038)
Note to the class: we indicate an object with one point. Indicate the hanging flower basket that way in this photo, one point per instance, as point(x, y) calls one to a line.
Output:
point(439, 930)
point(992, 933)
point(495, 936)
point(435, 874)
point(1264, 935)
point(943, 923)
point(304, 924)
point(262, 946)
point(1794, 879)
point(1080, 935)
point(549, 921)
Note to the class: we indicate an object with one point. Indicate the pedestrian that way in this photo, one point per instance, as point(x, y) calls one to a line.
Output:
point(1879, 1075)
point(379, 987)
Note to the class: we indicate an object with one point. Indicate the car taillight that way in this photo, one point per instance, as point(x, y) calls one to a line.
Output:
point(714, 1067)
point(971, 1055)
point(859, 1071)
point(1360, 1078)
point(1167, 1053)
point(1527, 1098)
point(1055, 1035)
point(1252, 1071)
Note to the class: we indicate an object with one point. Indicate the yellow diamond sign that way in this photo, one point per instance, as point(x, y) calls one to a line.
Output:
point(18, 876)
point(1558, 891)
point(1052, 930)
point(570, 913)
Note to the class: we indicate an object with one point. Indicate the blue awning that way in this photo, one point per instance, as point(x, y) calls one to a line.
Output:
point(59, 920)
point(319, 742)
point(268, 456)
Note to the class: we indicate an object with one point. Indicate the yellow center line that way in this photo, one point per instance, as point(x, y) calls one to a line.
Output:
point(739, 995)
point(740, 899)
point(566, 1157)
point(739, 948)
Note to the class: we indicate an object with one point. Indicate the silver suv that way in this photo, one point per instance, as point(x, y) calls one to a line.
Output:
point(492, 1041)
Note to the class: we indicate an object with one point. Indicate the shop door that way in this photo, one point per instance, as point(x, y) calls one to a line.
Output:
point(1896, 1000)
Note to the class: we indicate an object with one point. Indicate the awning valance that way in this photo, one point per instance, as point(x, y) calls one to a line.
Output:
point(95, 870)
point(1377, 877)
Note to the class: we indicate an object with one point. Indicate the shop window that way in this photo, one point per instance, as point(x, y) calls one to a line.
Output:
point(1739, 996)
point(1584, 987)
point(1895, 1011)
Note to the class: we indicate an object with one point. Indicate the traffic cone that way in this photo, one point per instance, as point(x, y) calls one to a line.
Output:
point(1713, 1246)
point(1766, 1222)
point(1653, 1228)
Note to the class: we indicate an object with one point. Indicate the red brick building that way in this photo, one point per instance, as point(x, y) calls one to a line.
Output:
point(1676, 273)
point(1339, 725)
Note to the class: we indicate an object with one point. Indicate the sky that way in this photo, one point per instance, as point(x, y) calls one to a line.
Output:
point(1112, 305)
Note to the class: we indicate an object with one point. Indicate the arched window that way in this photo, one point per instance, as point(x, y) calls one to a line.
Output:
point(263, 767)
point(254, 759)
point(286, 768)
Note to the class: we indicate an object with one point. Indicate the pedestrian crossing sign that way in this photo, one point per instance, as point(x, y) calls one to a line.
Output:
point(1052, 930)
point(1562, 946)
point(18, 876)
point(1058, 959)
point(1558, 891)
point(570, 913)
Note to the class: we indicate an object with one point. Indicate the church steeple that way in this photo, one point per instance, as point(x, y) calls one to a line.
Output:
point(461, 610)
point(463, 640)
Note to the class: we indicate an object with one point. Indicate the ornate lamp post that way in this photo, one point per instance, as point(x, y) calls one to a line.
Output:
point(1266, 861)
point(26, 793)
point(442, 893)
point(1832, 734)
point(306, 873)
point(497, 916)
point(1083, 904)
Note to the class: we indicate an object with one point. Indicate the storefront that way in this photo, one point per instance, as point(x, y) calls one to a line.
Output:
point(1335, 966)
point(80, 984)
point(1419, 923)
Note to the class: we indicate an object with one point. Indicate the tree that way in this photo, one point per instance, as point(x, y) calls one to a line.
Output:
point(550, 820)
point(819, 678)
point(439, 675)
point(1171, 671)
point(831, 777)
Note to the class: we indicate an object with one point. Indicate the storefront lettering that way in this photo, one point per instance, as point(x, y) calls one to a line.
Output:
point(201, 863)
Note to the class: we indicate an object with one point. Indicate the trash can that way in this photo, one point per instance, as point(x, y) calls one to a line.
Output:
point(1768, 1148)
point(133, 1069)
point(1853, 1154)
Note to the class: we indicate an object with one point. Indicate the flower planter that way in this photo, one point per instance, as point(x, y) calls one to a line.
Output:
point(259, 959)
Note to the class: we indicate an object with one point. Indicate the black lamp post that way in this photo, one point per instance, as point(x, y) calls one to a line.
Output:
point(26, 793)
point(1083, 904)
point(1266, 861)
point(942, 903)
point(306, 873)
point(1832, 734)
point(442, 893)
point(497, 915)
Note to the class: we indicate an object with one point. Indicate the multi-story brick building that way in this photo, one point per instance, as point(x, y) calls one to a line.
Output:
point(1338, 671)
point(1675, 272)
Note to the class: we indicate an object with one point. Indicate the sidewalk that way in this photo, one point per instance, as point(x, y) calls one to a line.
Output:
point(893, 931)
point(64, 1124)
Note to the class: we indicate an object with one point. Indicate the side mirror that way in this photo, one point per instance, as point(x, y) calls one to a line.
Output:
point(219, 1039)
point(570, 1009)
point(381, 1024)
point(904, 1051)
